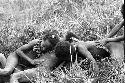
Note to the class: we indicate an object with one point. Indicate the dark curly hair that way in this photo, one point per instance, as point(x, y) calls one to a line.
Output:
point(52, 37)
point(64, 50)
point(92, 37)
point(69, 35)
point(122, 10)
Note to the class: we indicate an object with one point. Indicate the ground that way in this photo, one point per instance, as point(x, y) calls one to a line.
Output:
point(24, 20)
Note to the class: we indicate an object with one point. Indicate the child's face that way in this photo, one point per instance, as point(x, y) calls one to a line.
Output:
point(45, 44)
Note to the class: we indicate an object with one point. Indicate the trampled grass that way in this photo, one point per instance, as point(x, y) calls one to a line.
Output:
point(24, 20)
point(109, 72)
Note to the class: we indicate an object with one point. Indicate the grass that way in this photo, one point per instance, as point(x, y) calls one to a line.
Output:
point(24, 20)
point(110, 72)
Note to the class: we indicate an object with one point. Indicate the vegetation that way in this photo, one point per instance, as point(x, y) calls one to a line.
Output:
point(24, 20)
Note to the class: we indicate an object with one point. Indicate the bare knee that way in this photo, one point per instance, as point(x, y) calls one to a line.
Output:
point(11, 63)
point(2, 56)
point(2, 60)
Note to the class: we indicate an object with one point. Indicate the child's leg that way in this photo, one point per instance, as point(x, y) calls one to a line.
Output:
point(11, 63)
point(23, 76)
point(2, 60)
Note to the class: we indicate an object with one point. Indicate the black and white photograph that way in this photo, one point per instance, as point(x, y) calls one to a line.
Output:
point(62, 41)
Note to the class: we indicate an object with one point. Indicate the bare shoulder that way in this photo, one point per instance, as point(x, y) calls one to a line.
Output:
point(87, 44)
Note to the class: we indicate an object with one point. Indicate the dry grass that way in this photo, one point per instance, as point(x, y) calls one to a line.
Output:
point(83, 17)
point(110, 72)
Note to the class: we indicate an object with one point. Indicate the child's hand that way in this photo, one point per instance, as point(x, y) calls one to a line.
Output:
point(38, 61)
point(102, 42)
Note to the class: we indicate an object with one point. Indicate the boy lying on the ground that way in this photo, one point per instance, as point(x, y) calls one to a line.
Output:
point(62, 53)
point(27, 55)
